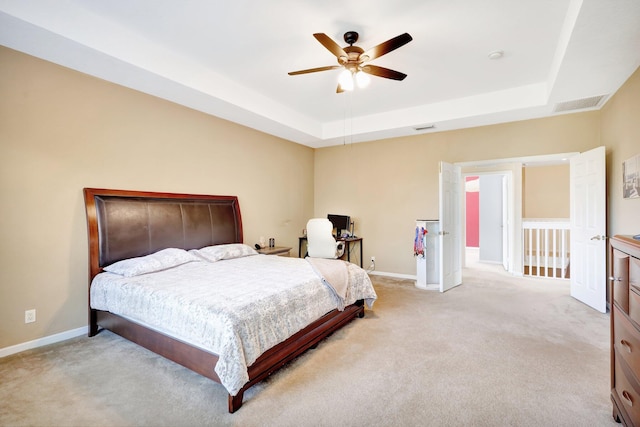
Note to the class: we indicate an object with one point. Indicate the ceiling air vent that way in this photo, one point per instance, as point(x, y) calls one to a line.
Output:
point(579, 104)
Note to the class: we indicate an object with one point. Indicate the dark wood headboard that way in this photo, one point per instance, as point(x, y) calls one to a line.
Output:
point(125, 224)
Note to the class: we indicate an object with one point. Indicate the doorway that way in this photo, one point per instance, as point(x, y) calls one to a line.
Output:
point(587, 222)
point(486, 218)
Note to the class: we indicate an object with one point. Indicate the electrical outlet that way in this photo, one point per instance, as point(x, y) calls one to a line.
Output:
point(373, 259)
point(30, 316)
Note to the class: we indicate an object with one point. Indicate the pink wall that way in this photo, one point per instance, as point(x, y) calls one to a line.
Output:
point(473, 217)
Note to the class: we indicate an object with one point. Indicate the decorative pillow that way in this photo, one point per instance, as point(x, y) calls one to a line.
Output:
point(161, 260)
point(219, 252)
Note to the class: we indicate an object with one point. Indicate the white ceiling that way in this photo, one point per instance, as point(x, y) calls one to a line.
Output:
point(231, 58)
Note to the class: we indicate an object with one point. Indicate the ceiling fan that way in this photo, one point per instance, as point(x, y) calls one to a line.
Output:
point(355, 60)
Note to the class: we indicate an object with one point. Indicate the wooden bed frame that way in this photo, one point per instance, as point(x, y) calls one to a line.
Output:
point(124, 224)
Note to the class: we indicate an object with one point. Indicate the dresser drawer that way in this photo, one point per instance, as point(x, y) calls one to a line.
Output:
point(627, 394)
point(620, 279)
point(626, 340)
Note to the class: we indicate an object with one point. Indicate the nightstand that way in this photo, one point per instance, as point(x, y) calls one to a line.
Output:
point(276, 250)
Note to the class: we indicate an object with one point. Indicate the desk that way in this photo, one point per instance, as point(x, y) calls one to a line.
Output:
point(348, 241)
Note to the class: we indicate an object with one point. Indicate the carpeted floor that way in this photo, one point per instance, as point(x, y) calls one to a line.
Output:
point(496, 351)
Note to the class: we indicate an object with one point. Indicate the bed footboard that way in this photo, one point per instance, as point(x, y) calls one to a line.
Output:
point(283, 353)
point(204, 362)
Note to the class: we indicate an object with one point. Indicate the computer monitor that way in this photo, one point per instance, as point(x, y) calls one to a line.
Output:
point(340, 223)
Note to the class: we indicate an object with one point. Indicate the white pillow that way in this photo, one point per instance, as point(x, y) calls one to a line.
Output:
point(220, 252)
point(161, 260)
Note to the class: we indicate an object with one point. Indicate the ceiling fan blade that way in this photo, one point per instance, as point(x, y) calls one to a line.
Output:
point(332, 46)
point(314, 70)
point(386, 47)
point(383, 72)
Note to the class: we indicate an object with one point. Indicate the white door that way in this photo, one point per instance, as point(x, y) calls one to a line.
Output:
point(450, 226)
point(505, 224)
point(588, 228)
point(491, 201)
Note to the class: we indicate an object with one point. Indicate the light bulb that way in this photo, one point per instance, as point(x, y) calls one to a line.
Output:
point(362, 79)
point(346, 80)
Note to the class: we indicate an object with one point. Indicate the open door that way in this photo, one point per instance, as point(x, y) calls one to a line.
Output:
point(491, 218)
point(505, 224)
point(450, 226)
point(588, 228)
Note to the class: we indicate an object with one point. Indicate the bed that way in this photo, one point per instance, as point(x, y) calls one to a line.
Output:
point(126, 226)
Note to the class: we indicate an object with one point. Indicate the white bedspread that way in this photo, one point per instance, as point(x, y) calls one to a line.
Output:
point(235, 308)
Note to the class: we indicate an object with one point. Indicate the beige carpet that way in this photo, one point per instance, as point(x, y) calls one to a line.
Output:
point(492, 352)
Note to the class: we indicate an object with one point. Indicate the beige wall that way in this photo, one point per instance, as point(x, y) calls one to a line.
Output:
point(621, 136)
point(61, 131)
point(545, 192)
point(386, 185)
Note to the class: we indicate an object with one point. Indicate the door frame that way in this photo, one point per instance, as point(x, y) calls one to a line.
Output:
point(508, 214)
point(513, 165)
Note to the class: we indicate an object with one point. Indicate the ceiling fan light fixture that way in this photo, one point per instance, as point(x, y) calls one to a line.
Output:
point(362, 79)
point(354, 60)
point(346, 79)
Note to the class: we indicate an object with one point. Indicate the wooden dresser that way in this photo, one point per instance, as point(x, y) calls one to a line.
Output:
point(625, 329)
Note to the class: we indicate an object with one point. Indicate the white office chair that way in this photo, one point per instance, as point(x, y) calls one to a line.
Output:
point(320, 241)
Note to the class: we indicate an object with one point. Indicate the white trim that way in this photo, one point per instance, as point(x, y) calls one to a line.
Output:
point(543, 160)
point(396, 275)
point(40, 342)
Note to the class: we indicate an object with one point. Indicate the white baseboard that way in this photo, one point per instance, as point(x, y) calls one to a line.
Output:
point(395, 275)
point(51, 339)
